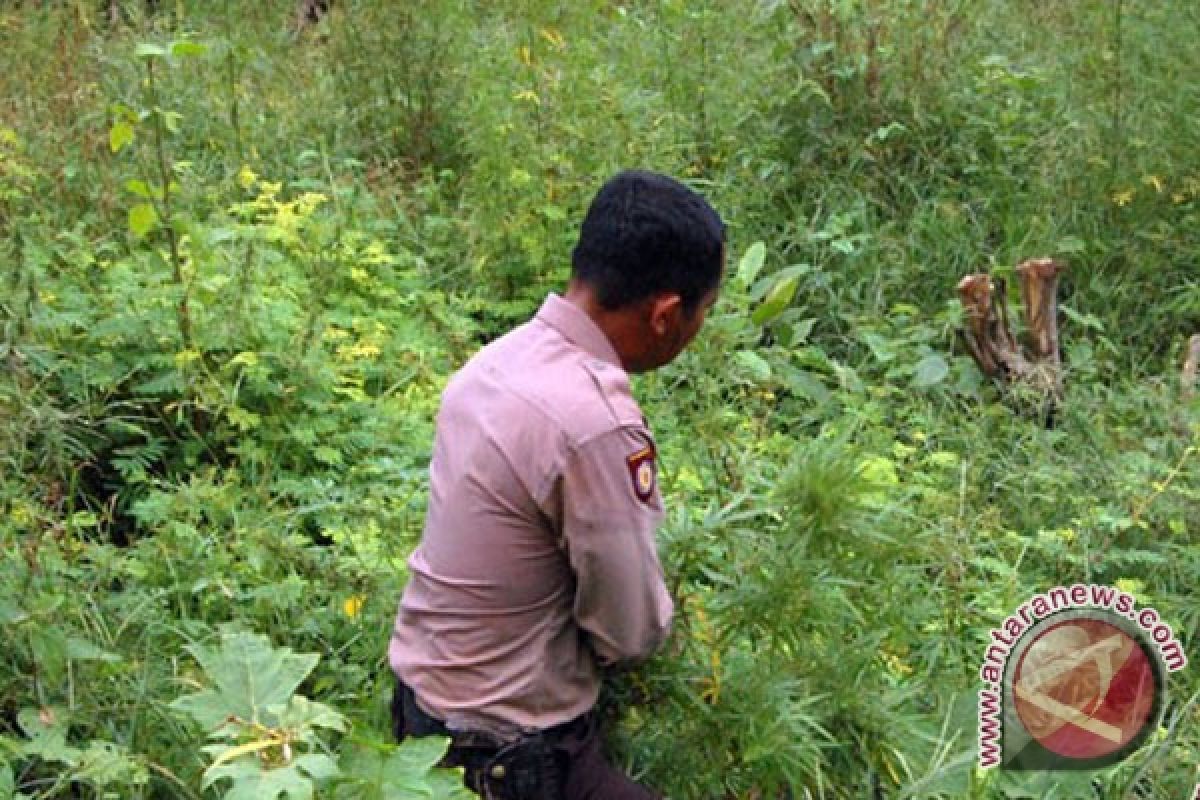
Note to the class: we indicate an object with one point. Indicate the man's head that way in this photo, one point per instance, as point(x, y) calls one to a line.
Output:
point(648, 265)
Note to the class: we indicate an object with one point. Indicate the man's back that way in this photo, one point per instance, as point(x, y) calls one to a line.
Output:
point(538, 551)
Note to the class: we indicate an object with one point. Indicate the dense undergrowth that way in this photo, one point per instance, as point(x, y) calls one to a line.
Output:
point(239, 261)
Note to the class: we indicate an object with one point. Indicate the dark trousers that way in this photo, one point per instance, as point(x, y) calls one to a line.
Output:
point(562, 763)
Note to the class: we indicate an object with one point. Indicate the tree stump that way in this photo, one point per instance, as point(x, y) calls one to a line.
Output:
point(1035, 366)
point(1187, 376)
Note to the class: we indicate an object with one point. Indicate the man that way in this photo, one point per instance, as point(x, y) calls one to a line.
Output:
point(537, 567)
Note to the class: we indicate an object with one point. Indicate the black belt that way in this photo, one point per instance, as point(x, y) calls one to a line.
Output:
point(534, 766)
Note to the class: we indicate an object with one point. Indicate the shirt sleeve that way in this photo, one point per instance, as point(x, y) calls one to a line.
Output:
point(611, 508)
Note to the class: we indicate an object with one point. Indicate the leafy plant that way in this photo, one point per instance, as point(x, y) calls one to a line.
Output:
point(269, 742)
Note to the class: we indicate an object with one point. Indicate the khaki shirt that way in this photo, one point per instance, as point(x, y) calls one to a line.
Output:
point(537, 563)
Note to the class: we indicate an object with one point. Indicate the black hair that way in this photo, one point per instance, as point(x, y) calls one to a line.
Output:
point(645, 233)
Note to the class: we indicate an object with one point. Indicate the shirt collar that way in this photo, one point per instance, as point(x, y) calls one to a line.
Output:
point(573, 322)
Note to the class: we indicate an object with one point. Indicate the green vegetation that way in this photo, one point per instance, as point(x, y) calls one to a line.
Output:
point(239, 261)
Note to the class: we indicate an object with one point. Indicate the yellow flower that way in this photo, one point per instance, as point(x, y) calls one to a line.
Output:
point(1155, 181)
point(353, 605)
point(246, 177)
point(1130, 586)
point(553, 37)
point(1123, 198)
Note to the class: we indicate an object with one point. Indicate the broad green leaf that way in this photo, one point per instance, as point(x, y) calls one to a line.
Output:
point(318, 766)
point(186, 49)
point(1070, 245)
point(328, 455)
point(120, 135)
point(752, 261)
point(11, 613)
point(80, 649)
point(880, 346)
point(301, 713)
point(250, 781)
point(447, 784)
point(776, 301)
point(84, 519)
point(49, 644)
point(418, 754)
point(249, 676)
point(8, 786)
point(399, 773)
point(47, 732)
point(754, 364)
point(805, 383)
point(142, 219)
point(140, 188)
point(931, 370)
point(801, 330)
point(147, 50)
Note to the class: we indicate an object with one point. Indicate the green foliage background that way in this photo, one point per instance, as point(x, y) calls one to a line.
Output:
point(240, 260)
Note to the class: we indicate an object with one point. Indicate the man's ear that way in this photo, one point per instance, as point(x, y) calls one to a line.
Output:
point(666, 312)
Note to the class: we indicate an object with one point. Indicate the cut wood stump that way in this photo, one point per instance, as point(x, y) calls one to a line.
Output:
point(1187, 376)
point(1034, 365)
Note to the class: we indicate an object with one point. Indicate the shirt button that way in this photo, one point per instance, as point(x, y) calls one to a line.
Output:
point(498, 772)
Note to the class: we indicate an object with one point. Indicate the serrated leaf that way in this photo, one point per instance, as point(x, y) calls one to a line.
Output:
point(419, 754)
point(931, 370)
point(301, 713)
point(318, 766)
point(447, 784)
point(752, 261)
point(142, 219)
point(407, 771)
point(249, 781)
point(46, 729)
point(776, 301)
point(120, 135)
point(249, 676)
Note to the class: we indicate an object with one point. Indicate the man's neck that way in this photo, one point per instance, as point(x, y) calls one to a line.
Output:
point(620, 327)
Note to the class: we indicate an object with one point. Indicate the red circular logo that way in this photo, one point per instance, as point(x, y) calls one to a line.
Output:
point(1085, 689)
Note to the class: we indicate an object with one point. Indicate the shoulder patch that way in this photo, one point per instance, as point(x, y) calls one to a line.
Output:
point(642, 472)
